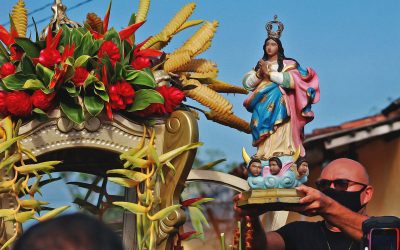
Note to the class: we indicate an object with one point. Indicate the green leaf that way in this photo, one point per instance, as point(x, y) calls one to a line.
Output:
point(201, 201)
point(69, 73)
point(17, 80)
point(128, 52)
point(95, 47)
point(99, 86)
point(131, 75)
point(93, 104)
point(3, 59)
point(31, 49)
point(102, 94)
point(81, 61)
point(4, 53)
point(144, 78)
point(90, 80)
point(109, 67)
point(76, 37)
point(118, 71)
point(164, 212)
point(132, 20)
point(44, 73)
point(111, 35)
point(65, 36)
point(84, 46)
point(73, 111)
point(197, 218)
point(27, 66)
point(72, 89)
point(145, 97)
point(33, 84)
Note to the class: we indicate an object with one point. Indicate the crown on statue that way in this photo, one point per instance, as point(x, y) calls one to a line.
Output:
point(270, 26)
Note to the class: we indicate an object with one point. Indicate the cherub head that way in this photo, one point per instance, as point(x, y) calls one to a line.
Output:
point(302, 166)
point(275, 165)
point(255, 167)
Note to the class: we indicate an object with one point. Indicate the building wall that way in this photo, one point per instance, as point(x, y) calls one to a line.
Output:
point(382, 160)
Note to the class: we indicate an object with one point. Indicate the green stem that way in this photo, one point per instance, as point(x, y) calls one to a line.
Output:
point(222, 241)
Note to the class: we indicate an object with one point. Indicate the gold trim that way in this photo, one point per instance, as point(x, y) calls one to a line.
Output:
point(181, 129)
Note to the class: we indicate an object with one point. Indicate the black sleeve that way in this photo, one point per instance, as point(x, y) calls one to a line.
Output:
point(289, 234)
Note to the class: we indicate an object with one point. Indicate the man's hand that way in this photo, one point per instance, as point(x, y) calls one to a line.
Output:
point(313, 203)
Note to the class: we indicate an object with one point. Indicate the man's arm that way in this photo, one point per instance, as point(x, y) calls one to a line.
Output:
point(316, 203)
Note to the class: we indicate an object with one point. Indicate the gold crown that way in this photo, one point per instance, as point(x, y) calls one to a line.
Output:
point(270, 25)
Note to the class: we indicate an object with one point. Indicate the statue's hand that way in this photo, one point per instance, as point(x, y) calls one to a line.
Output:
point(264, 70)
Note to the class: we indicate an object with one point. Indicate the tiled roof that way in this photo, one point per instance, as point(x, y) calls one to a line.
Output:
point(390, 113)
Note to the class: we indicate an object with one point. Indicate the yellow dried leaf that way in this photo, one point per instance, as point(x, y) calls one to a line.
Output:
point(175, 152)
point(53, 213)
point(176, 61)
point(141, 14)
point(125, 182)
point(173, 26)
point(229, 120)
point(31, 204)
point(133, 175)
point(223, 87)
point(132, 207)
point(19, 16)
point(207, 97)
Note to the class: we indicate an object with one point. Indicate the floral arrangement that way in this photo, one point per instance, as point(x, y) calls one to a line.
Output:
point(80, 70)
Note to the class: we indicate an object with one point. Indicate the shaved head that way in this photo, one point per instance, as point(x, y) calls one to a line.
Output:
point(344, 168)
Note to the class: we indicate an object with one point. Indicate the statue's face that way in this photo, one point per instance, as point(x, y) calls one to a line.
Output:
point(303, 168)
point(274, 167)
point(271, 48)
point(255, 168)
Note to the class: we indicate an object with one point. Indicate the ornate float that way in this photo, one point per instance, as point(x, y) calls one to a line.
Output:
point(90, 99)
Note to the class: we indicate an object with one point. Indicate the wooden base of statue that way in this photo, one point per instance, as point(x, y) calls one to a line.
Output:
point(270, 199)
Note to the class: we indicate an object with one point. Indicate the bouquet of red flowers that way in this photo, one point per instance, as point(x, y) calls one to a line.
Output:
point(81, 70)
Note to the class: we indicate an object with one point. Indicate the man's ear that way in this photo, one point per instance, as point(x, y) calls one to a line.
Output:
point(368, 193)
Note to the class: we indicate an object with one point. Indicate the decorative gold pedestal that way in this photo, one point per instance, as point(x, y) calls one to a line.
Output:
point(270, 199)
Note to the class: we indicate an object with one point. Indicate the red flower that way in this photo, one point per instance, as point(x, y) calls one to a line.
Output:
point(152, 109)
point(109, 48)
point(81, 74)
point(43, 101)
point(172, 97)
point(49, 57)
point(121, 94)
point(3, 106)
point(142, 57)
point(141, 63)
point(19, 103)
point(7, 69)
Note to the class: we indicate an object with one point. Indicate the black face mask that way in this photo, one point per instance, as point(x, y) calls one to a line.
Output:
point(351, 200)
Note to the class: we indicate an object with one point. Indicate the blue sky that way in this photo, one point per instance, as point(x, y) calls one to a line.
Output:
point(352, 45)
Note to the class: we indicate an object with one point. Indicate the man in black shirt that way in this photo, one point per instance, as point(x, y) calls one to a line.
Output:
point(341, 198)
